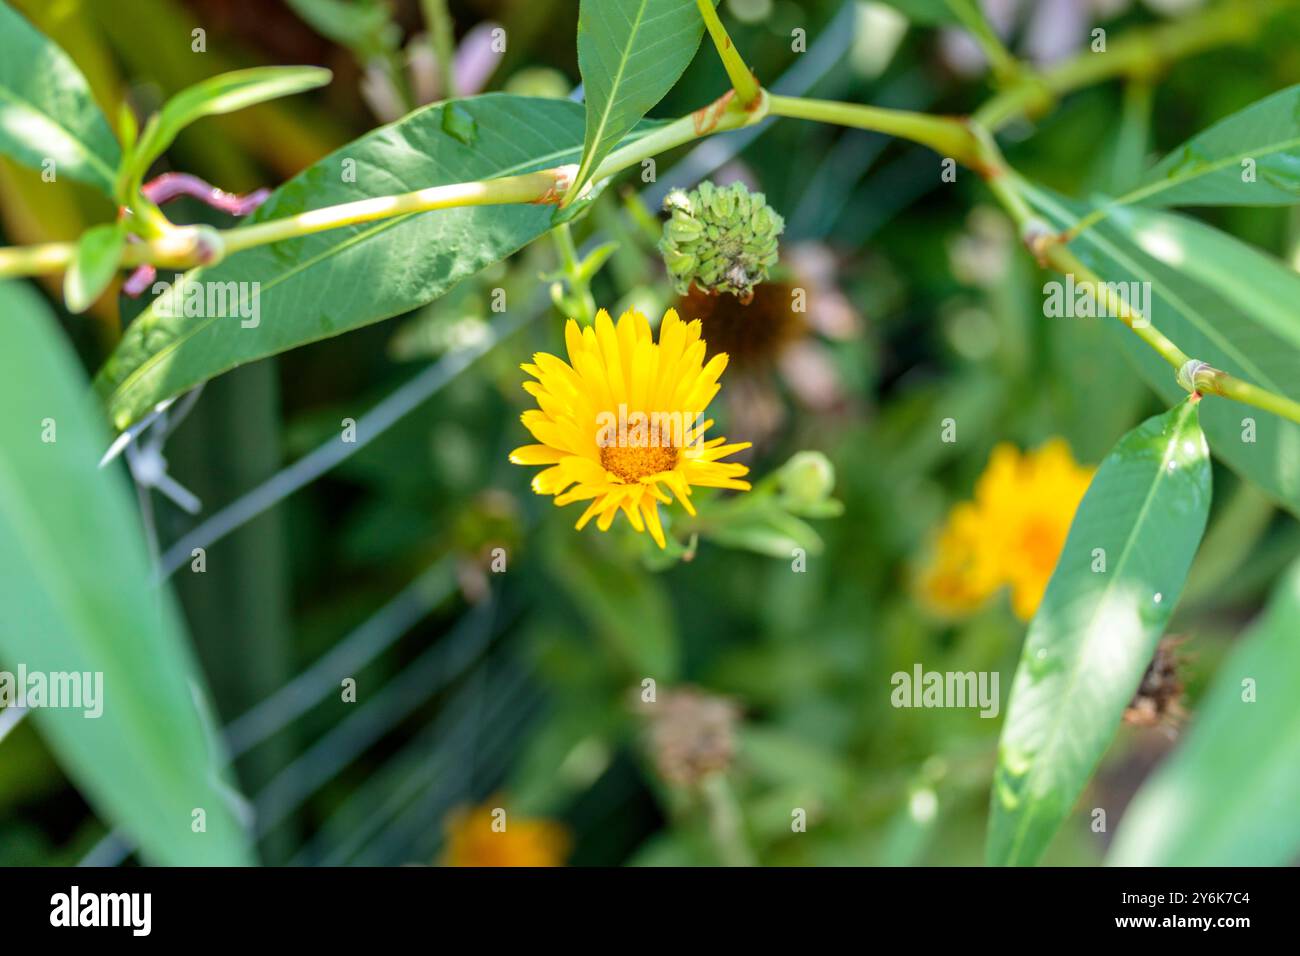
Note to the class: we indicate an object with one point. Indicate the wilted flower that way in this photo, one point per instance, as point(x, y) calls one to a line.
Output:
point(722, 239)
point(1011, 534)
point(692, 735)
point(620, 423)
point(1158, 699)
point(780, 332)
point(489, 836)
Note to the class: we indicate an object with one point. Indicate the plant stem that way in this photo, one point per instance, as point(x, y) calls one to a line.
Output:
point(1005, 66)
point(1138, 53)
point(442, 36)
point(946, 135)
point(741, 76)
point(720, 116)
point(725, 823)
point(1046, 245)
point(528, 188)
point(544, 186)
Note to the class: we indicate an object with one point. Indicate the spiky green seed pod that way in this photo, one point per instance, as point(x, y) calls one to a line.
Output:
point(721, 239)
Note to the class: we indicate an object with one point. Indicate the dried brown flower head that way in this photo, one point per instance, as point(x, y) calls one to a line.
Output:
point(1158, 701)
point(691, 734)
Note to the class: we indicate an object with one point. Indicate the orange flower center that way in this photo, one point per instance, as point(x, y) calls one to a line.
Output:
point(632, 463)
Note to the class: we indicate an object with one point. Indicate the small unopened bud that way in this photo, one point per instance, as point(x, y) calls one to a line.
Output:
point(807, 479)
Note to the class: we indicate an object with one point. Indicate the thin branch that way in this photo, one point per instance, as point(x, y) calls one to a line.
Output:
point(742, 77)
point(1138, 53)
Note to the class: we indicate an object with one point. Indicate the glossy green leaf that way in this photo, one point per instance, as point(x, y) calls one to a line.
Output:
point(226, 93)
point(1236, 323)
point(630, 53)
point(1251, 158)
point(76, 597)
point(98, 252)
point(1228, 795)
point(330, 282)
point(1248, 281)
point(1096, 630)
point(46, 110)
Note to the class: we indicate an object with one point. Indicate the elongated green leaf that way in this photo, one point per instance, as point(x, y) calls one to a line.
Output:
point(302, 290)
point(630, 53)
point(1096, 630)
point(46, 111)
point(1228, 795)
point(1247, 280)
point(226, 93)
point(76, 598)
point(98, 252)
point(1252, 158)
point(1225, 323)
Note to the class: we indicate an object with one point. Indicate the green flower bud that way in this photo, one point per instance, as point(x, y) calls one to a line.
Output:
point(807, 479)
point(722, 239)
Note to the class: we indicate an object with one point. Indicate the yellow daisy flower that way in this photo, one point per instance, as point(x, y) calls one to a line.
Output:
point(486, 836)
point(1011, 535)
point(621, 423)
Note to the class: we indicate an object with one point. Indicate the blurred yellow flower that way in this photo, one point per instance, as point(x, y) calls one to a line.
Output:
point(620, 422)
point(1011, 534)
point(488, 836)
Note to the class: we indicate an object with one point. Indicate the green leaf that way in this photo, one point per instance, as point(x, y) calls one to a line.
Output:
point(330, 282)
point(98, 253)
point(1207, 170)
point(46, 110)
point(1232, 324)
point(77, 597)
point(630, 54)
point(1096, 631)
point(226, 93)
point(1247, 280)
point(361, 25)
point(1228, 795)
point(766, 530)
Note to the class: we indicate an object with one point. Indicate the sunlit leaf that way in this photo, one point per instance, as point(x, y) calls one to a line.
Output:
point(1251, 158)
point(1116, 583)
point(298, 291)
point(226, 93)
point(77, 597)
point(47, 114)
point(1231, 322)
point(1228, 795)
point(98, 252)
point(631, 53)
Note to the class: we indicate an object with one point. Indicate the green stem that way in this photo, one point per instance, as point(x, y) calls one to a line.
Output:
point(719, 116)
point(1047, 246)
point(946, 135)
point(725, 821)
point(442, 36)
point(741, 76)
point(539, 187)
point(1005, 66)
point(1139, 53)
